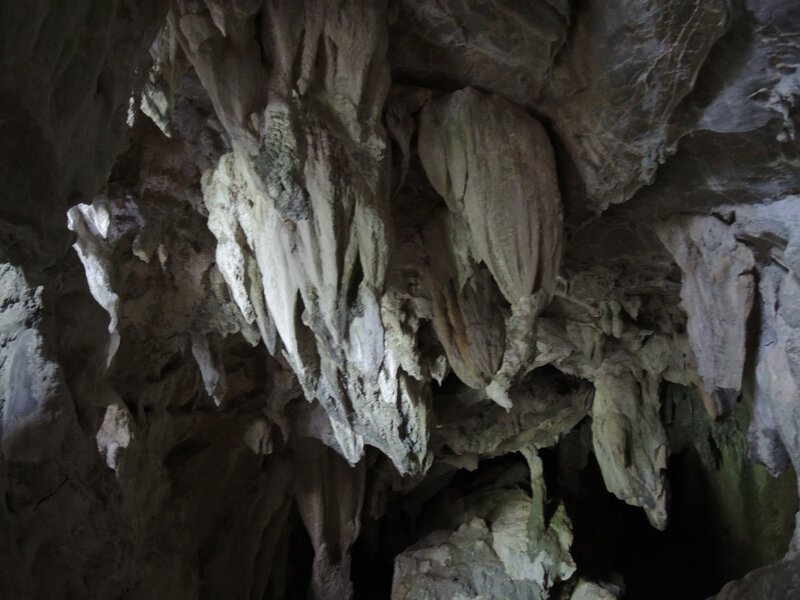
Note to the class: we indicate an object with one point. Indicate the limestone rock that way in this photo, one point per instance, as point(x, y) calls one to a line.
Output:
point(717, 293)
point(465, 302)
point(115, 435)
point(633, 97)
point(510, 206)
point(491, 44)
point(538, 417)
point(753, 508)
point(285, 288)
point(775, 581)
point(330, 496)
point(588, 590)
point(500, 546)
point(630, 442)
point(298, 211)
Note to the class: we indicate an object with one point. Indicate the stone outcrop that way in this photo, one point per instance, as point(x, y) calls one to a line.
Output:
point(303, 297)
point(717, 293)
point(501, 547)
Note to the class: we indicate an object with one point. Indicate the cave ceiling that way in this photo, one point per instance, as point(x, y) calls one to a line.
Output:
point(273, 273)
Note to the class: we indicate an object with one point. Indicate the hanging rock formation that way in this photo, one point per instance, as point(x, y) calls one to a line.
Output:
point(392, 298)
point(717, 294)
point(510, 211)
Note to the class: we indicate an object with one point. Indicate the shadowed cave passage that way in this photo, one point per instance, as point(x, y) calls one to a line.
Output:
point(727, 516)
point(714, 535)
point(412, 516)
point(613, 539)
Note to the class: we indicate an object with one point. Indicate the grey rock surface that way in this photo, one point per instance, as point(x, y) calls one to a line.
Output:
point(717, 293)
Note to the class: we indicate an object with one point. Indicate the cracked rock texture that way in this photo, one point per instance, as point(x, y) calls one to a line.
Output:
point(344, 299)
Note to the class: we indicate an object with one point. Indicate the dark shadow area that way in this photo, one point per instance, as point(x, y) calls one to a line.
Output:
point(373, 560)
point(613, 537)
point(301, 559)
point(726, 518)
point(692, 559)
point(410, 517)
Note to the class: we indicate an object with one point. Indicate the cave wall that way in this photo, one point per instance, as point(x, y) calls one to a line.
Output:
point(267, 266)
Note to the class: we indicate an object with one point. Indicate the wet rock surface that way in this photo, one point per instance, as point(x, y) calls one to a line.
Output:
point(408, 299)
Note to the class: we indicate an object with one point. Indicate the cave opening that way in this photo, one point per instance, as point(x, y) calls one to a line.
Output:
point(613, 539)
point(373, 559)
point(727, 516)
point(704, 545)
point(409, 517)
